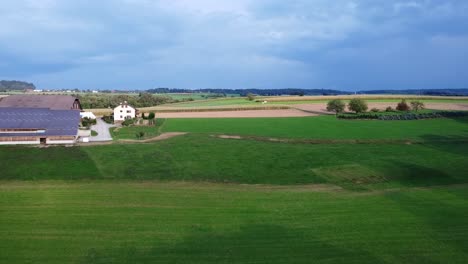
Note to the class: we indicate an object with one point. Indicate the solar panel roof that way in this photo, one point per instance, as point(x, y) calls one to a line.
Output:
point(54, 122)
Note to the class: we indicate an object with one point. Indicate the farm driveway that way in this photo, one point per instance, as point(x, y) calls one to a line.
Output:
point(103, 131)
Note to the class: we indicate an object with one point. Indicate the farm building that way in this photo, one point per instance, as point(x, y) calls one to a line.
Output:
point(124, 111)
point(38, 126)
point(39, 119)
point(52, 102)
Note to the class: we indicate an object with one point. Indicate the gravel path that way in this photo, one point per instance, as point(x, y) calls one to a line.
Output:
point(102, 128)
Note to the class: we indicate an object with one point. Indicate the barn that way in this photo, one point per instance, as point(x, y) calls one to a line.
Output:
point(39, 119)
point(53, 102)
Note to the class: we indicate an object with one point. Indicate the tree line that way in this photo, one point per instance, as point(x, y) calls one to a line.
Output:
point(90, 101)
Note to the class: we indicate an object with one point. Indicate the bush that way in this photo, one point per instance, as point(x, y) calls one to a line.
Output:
point(108, 119)
point(389, 109)
point(359, 116)
point(336, 106)
point(88, 122)
point(140, 135)
point(406, 116)
point(403, 106)
point(417, 105)
point(375, 110)
point(128, 122)
point(250, 97)
point(357, 105)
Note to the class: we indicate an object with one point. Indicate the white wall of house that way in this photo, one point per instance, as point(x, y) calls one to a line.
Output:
point(35, 142)
point(52, 142)
point(124, 111)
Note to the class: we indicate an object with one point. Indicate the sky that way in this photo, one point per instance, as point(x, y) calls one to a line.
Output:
point(310, 44)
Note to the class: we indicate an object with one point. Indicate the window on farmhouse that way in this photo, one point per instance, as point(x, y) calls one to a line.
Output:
point(128, 111)
point(120, 111)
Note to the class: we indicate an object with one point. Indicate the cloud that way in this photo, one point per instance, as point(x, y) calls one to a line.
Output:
point(244, 43)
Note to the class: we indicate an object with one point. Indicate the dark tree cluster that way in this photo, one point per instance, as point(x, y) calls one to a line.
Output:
point(111, 101)
point(16, 85)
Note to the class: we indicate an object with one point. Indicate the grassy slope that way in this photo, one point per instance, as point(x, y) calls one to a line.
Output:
point(128, 222)
point(323, 127)
point(203, 158)
point(131, 131)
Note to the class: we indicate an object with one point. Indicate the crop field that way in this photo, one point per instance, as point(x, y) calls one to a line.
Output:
point(341, 191)
point(293, 100)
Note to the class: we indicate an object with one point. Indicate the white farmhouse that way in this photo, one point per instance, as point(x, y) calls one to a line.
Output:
point(124, 112)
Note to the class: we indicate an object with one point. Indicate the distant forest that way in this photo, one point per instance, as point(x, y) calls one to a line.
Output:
point(6, 86)
point(244, 92)
point(301, 92)
point(439, 92)
point(15, 86)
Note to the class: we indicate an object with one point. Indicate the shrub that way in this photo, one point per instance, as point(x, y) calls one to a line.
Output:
point(375, 110)
point(88, 122)
point(357, 105)
point(140, 135)
point(250, 97)
point(417, 105)
point(389, 109)
point(336, 106)
point(143, 115)
point(128, 122)
point(108, 119)
point(403, 106)
point(151, 116)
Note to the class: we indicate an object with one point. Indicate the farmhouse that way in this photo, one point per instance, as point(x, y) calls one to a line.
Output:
point(39, 119)
point(124, 112)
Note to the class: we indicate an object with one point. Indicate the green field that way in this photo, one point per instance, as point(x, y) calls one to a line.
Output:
point(399, 196)
point(204, 158)
point(151, 222)
point(324, 127)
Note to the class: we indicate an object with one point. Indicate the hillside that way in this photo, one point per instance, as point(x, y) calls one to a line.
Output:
point(15, 85)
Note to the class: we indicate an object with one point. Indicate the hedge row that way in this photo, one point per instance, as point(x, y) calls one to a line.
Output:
point(406, 116)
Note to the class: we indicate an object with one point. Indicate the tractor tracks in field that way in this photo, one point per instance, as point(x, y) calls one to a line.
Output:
point(340, 141)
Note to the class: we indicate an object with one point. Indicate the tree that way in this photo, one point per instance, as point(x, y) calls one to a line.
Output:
point(403, 106)
point(143, 115)
point(357, 105)
point(417, 105)
point(250, 96)
point(151, 117)
point(336, 106)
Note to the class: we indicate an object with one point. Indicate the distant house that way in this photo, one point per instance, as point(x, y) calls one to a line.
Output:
point(124, 112)
point(53, 102)
point(39, 119)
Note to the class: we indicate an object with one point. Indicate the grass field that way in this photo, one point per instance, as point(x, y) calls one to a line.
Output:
point(324, 127)
point(204, 158)
point(131, 131)
point(202, 199)
point(150, 222)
